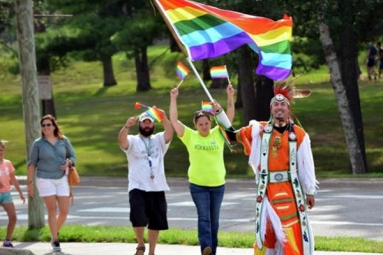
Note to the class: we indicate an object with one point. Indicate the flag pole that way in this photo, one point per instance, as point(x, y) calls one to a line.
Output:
point(179, 84)
point(200, 80)
point(171, 28)
point(228, 78)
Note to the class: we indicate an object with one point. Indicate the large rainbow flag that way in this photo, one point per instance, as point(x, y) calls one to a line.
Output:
point(208, 32)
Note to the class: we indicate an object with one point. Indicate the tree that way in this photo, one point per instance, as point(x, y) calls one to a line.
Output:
point(31, 110)
point(94, 23)
point(346, 23)
point(6, 14)
point(344, 108)
point(245, 69)
point(345, 19)
point(139, 32)
point(348, 53)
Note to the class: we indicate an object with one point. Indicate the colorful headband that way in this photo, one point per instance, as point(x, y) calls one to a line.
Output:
point(283, 92)
point(279, 98)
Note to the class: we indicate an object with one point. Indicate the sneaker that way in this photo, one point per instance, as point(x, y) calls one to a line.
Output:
point(7, 244)
point(56, 246)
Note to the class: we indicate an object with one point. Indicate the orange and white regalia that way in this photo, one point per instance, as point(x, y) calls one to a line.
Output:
point(285, 174)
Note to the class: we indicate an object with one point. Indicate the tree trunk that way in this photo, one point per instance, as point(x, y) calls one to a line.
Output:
point(173, 44)
point(239, 102)
point(31, 109)
point(344, 109)
point(142, 69)
point(219, 83)
point(44, 68)
point(350, 74)
point(48, 105)
point(246, 68)
point(264, 94)
point(107, 66)
point(206, 70)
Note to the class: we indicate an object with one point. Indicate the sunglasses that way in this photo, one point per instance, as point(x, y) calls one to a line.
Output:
point(46, 125)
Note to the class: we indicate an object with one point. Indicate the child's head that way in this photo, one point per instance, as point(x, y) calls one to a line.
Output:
point(2, 143)
point(2, 148)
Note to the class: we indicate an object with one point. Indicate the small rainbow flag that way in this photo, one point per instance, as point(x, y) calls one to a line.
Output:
point(206, 107)
point(138, 105)
point(219, 72)
point(155, 113)
point(182, 70)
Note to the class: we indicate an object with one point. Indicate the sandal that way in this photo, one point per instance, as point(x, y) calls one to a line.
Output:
point(139, 250)
point(206, 251)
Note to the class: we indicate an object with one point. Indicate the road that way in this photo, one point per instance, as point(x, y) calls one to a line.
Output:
point(343, 207)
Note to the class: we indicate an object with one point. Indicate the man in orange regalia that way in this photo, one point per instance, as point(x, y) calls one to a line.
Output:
point(280, 155)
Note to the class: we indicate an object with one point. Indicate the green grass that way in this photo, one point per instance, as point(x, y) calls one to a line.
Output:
point(91, 116)
point(184, 237)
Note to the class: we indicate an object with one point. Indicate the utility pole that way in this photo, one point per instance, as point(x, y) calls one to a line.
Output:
point(30, 94)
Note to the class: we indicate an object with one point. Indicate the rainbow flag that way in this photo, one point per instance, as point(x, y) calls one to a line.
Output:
point(155, 113)
point(182, 70)
point(206, 107)
point(208, 32)
point(219, 72)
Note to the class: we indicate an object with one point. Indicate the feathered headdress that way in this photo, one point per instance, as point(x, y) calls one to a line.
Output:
point(285, 91)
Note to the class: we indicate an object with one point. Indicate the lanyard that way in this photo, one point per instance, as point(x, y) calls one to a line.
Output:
point(147, 148)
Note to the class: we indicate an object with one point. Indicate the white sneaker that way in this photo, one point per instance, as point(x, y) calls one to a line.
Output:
point(56, 246)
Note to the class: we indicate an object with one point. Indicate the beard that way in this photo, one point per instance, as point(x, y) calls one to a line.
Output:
point(280, 116)
point(146, 132)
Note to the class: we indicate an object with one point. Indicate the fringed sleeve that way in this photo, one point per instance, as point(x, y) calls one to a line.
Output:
point(254, 157)
point(306, 168)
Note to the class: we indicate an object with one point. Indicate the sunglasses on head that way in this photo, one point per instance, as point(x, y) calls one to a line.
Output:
point(46, 125)
point(198, 113)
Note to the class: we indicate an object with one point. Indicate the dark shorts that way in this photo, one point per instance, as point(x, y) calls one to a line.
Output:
point(148, 209)
point(370, 62)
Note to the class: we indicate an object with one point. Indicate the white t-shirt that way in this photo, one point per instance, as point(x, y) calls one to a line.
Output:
point(140, 150)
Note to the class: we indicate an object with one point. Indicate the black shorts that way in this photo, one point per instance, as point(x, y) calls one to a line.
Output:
point(148, 209)
point(371, 62)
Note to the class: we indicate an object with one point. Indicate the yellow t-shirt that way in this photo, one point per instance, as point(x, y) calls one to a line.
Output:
point(207, 167)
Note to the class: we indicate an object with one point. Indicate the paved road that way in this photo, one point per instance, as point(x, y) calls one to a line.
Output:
point(343, 208)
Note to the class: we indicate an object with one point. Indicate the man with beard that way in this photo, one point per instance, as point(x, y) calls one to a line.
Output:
point(147, 182)
point(280, 154)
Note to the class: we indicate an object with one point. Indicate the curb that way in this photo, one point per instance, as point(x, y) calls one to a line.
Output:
point(15, 251)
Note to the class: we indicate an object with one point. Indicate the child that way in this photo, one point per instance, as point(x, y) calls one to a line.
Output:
point(7, 176)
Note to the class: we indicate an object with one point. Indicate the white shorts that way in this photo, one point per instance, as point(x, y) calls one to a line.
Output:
point(53, 187)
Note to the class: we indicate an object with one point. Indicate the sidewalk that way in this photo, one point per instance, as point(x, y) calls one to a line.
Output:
point(40, 248)
point(128, 248)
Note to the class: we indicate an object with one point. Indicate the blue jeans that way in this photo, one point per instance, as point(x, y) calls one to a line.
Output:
point(208, 201)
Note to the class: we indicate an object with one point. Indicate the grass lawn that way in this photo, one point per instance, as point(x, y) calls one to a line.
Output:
point(91, 116)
